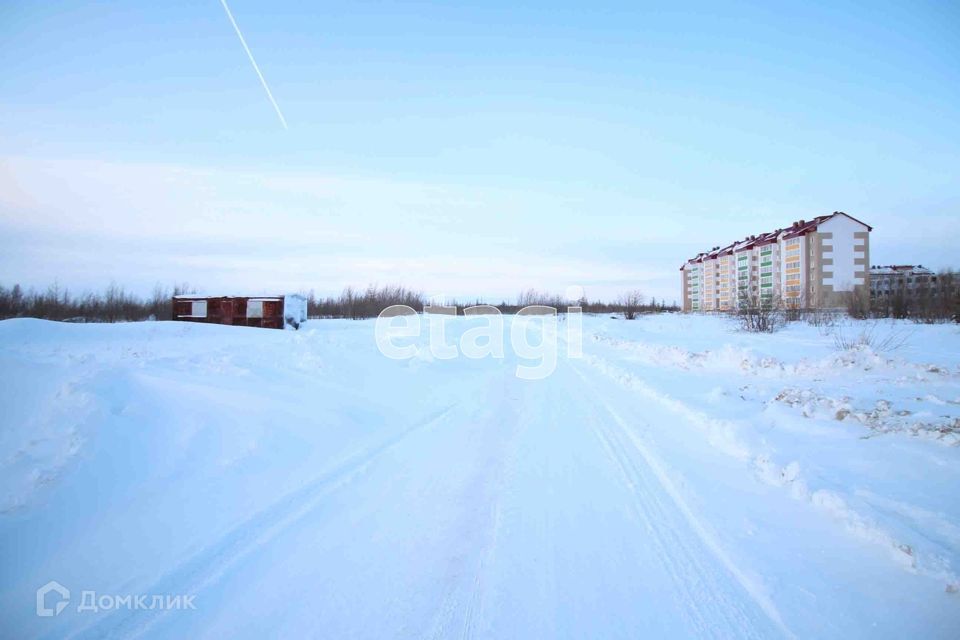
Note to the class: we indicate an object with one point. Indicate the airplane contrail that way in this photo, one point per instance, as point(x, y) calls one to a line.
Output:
point(256, 68)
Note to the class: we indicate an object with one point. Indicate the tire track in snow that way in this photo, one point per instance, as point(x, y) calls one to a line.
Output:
point(207, 566)
point(685, 561)
point(694, 582)
point(474, 608)
point(680, 568)
point(463, 604)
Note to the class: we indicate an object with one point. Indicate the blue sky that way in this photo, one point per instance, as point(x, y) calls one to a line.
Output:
point(468, 150)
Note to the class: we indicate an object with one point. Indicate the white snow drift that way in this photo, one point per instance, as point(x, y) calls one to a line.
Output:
point(681, 479)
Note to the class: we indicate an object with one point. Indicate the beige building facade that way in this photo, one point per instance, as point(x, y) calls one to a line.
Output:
point(810, 264)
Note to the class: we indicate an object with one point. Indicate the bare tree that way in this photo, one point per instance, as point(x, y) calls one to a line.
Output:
point(631, 302)
point(857, 303)
point(900, 305)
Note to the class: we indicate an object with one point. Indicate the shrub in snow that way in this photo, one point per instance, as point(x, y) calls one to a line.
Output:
point(869, 339)
point(758, 314)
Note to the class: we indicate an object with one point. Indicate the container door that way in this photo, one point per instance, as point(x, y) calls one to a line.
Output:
point(272, 314)
point(226, 312)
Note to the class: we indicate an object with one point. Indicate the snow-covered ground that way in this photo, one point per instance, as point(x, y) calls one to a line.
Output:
point(680, 480)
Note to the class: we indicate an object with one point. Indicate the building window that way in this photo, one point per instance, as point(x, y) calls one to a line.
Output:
point(199, 309)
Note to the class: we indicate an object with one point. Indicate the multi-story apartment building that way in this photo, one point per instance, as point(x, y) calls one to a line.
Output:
point(902, 279)
point(903, 291)
point(808, 264)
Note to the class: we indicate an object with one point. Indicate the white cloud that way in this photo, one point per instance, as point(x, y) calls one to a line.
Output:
point(87, 222)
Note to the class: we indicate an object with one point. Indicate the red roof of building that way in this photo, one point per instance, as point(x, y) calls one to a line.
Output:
point(798, 229)
point(802, 227)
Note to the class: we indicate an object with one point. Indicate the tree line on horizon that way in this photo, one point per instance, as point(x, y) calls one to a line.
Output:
point(369, 302)
point(113, 304)
point(117, 304)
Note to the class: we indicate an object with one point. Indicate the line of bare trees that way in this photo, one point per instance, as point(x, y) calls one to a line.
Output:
point(116, 304)
point(113, 304)
point(368, 303)
point(936, 303)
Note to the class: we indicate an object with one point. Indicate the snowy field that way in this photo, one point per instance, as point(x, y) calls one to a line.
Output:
point(680, 480)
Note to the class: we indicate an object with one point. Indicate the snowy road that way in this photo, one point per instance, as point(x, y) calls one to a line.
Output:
point(424, 499)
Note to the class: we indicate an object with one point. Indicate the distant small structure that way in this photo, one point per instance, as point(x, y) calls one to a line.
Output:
point(271, 312)
point(914, 291)
point(901, 279)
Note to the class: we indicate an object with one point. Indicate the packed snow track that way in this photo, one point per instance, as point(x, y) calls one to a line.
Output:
point(300, 484)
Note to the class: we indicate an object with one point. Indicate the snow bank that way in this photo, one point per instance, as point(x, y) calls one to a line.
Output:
point(811, 437)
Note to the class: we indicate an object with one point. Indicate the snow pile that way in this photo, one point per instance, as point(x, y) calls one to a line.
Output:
point(743, 360)
point(882, 418)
